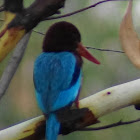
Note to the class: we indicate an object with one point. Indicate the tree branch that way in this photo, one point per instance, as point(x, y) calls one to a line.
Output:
point(98, 49)
point(104, 50)
point(24, 20)
point(99, 104)
point(32, 15)
point(13, 64)
point(19, 20)
point(80, 10)
point(120, 123)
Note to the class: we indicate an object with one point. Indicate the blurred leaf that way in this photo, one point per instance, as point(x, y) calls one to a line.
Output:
point(129, 38)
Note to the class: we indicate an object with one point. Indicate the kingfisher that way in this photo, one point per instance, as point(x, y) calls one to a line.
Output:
point(57, 72)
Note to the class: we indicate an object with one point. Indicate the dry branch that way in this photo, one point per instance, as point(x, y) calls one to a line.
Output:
point(19, 20)
point(13, 64)
point(99, 104)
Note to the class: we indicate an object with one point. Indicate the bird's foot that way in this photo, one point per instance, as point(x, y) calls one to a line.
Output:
point(77, 103)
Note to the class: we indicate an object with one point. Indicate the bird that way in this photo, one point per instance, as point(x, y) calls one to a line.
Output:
point(57, 73)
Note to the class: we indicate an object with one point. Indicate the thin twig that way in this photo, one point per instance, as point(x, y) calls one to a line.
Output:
point(120, 123)
point(80, 10)
point(38, 32)
point(13, 64)
point(98, 49)
point(105, 50)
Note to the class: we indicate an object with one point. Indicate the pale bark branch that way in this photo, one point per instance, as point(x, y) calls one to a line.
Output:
point(113, 98)
point(101, 103)
point(13, 64)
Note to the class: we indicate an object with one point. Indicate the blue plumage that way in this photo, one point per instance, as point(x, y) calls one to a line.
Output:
point(55, 82)
point(57, 72)
point(52, 127)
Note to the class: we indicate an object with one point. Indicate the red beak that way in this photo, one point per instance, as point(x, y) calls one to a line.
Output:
point(83, 52)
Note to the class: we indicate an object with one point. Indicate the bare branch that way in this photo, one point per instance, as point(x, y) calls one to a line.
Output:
point(19, 20)
point(98, 49)
point(99, 104)
point(38, 10)
point(104, 50)
point(38, 32)
point(13, 64)
point(80, 10)
point(120, 123)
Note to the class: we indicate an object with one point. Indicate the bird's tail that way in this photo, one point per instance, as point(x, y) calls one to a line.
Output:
point(52, 127)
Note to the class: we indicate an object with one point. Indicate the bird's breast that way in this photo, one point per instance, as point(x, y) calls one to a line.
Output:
point(57, 79)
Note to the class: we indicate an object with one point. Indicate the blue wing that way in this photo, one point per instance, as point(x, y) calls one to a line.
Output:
point(57, 79)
